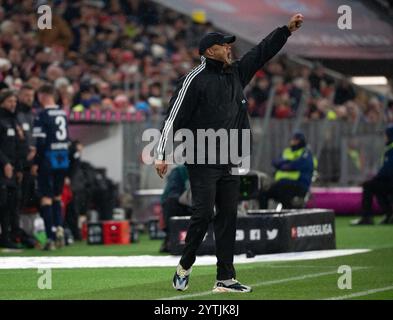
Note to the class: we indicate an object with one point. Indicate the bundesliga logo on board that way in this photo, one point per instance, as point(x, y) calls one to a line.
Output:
point(311, 231)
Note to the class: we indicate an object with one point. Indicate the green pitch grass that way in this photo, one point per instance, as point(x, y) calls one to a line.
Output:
point(372, 276)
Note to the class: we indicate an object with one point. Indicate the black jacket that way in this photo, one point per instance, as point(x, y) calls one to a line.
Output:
point(211, 96)
point(10, 142)
point(25, 118)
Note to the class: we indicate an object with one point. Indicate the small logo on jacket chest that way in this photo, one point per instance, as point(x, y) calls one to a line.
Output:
point(10, 132)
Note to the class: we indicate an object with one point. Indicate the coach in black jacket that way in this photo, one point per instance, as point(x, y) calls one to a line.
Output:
point(211, 97)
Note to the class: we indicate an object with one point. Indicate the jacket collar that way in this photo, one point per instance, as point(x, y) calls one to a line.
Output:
point(214, 64)
point(217, 66)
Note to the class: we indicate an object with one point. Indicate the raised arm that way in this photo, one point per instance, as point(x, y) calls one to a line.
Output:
point(254, 59)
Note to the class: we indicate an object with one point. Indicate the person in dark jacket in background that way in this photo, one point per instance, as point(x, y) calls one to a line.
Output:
point(294, 171)
point(25, 117)
point(381, 186)
point(176, 184)
point(78, 204)
point(211, 97)
point(11, 136)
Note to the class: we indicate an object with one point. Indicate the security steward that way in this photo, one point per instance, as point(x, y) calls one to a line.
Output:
point(380, 186)
point(294, 171)
point(11, 136)
point(211, 97)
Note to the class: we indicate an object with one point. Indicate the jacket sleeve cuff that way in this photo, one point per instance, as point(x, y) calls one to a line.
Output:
point(286, 30)
point(160, 157)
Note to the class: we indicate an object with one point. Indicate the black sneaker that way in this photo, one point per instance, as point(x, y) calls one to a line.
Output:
point(230, 286)
point(362, 221)
point(181, 278)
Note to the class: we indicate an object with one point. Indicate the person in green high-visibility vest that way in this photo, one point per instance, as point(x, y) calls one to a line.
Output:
point(294, 172)
point(380, 186)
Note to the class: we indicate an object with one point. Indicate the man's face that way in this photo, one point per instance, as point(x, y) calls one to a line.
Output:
point(294, 142)
point(41, 97)
point(26, 96)
point(79, 147)
point(9, 104)
point(221, 52)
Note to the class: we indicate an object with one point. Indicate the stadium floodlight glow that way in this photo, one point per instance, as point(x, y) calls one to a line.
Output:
point(370, 81)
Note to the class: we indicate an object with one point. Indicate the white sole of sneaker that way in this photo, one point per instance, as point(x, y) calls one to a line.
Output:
point(222, 290)
point(180, 289)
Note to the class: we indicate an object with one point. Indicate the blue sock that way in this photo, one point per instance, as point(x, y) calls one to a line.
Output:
point(46, 214)
point(56, 208)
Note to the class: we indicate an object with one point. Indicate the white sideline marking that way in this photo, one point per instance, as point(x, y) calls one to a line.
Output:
point(361, 293)
point(158, 261)
point(259, 284)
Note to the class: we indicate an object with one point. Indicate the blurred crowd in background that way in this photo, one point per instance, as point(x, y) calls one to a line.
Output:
point(324, 96)
point(126, 55)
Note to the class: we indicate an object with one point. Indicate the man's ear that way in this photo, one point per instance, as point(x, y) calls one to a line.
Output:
point(209, 51)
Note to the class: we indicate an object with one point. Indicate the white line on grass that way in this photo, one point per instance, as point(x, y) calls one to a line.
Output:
point(159, 261)
point(361, 294)
point(259, 284)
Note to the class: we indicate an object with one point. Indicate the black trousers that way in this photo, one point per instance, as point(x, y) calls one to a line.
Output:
point(213, 186)
point(74, 210)
point(382, 190)
point(28, 190)
point(8, 207)
point(78, 206)
point(25, 198)
point(282, 192)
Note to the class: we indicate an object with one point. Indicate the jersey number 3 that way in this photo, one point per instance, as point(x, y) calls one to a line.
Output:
point(61, 133)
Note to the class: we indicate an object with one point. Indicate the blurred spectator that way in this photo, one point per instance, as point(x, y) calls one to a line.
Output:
point(127, 54)
point(319, 81)
point(282, 108)
point(344, 92)
point(258, 95)
point(373, 113)
point(60, 35)
point(389, 112)
point(122, 103)
point(5, 66)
